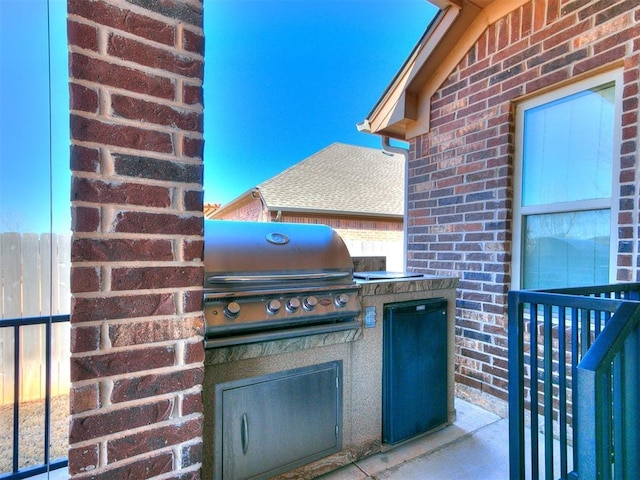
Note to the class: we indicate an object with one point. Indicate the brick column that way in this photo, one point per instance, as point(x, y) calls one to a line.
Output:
point(136, 71)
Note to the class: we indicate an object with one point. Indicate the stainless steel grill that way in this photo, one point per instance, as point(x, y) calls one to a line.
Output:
point(267, 281)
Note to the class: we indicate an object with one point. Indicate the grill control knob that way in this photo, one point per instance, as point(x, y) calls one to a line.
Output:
point(310, 303)
point(273, 307)
point(342, 299)
point(293, 304)
point(232, 310)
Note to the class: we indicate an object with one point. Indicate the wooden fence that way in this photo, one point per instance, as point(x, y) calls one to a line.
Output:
point(34, 282)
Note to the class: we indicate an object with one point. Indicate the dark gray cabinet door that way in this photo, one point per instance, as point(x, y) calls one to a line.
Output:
point(414, 396)
point(275, 423)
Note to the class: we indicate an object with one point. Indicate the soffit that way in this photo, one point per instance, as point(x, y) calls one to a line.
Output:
point(240, 201)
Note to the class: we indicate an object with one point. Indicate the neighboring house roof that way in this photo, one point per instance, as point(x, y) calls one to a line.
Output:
point(403, 111)
point(339, 179)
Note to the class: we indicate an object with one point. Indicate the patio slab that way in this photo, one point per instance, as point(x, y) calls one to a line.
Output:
point(475, 446)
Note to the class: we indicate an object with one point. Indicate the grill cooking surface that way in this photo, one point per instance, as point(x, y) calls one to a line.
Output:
point(275, 280)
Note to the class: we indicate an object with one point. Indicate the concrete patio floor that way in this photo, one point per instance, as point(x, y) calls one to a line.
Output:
point(475, 446)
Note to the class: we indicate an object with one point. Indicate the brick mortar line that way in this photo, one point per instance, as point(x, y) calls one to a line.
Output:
point(118, 61)
point(103, 441)
point(189, 107)
point(129, 375)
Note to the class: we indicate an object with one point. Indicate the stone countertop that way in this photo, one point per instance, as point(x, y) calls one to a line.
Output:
point(406, 285)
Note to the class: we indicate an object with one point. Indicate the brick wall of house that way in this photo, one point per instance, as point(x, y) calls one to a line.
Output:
point(363, 236)
point(379, 229)
point(137, 355)
point(461, 172)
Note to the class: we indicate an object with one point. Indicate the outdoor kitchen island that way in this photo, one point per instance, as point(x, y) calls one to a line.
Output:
point(359, 352)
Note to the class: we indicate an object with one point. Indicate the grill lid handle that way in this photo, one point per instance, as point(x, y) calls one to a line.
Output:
point(275, 278)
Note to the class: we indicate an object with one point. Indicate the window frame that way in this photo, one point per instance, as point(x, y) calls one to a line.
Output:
point(520, 212)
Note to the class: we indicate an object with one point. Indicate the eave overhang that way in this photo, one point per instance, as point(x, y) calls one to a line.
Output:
point(403, 111)
point(238, 202)
point(333, 213)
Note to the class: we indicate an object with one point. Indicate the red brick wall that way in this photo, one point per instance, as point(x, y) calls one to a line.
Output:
point(460, 186)
point(136, 317)
point(380, 228)
point(363, 236)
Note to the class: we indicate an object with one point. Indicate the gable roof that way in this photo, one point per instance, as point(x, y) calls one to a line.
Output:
point(403, 110)
point(339, 179)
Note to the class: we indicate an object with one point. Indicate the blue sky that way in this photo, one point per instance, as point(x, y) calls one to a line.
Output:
point(283, 80)
point(29, 182)
point(286, 78)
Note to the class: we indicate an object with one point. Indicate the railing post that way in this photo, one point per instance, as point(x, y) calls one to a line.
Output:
point(547, 355)
point(516, 387)
point(16, 396)
point(586, 431)
point(630, 400)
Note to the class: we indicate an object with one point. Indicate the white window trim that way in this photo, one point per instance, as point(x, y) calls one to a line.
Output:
point(610, 203)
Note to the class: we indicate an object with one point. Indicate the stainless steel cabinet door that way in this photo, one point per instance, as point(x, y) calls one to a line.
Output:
point(275, 423)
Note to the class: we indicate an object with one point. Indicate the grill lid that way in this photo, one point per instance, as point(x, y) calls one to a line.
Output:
point(254, 255)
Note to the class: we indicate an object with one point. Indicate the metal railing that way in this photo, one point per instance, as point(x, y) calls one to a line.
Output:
point(608, 375)
point(572, 353)
point(47, 464)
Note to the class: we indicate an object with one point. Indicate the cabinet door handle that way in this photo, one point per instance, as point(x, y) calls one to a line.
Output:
point(244, 434)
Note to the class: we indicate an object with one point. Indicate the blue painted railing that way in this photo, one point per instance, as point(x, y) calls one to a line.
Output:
point(47, 464)
point(575, 351)
point(608, 438)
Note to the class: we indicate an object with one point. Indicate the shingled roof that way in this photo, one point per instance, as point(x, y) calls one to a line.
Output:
point(340, 178)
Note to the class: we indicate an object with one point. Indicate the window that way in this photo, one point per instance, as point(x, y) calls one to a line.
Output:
point(565, 167)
